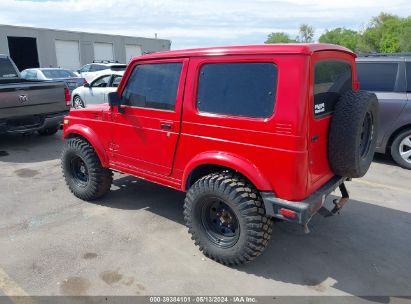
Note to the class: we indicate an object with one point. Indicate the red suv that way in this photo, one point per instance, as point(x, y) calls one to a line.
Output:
point(251, 133)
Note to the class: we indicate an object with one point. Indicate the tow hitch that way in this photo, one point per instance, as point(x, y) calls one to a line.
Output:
point(338, 203)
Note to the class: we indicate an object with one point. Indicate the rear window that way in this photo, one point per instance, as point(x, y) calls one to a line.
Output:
point(408, 65)
point(54, 74)
point(331, 79)
point(7, 69)
point(379, 76)
point(238, 89)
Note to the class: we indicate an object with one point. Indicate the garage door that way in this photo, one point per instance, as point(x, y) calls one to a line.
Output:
point(103, 51)
point(68, 55)
point(132, 50)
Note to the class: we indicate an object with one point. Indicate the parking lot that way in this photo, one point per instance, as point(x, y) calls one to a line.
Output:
point(134, 242)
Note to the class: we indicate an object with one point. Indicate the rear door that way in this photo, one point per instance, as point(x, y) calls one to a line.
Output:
point(332, 75)
point(146, 134)
point(387, 80)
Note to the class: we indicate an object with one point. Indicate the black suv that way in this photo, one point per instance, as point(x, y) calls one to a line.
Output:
point(389, 77)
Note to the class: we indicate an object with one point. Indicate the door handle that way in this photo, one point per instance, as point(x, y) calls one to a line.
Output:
point(165, 126)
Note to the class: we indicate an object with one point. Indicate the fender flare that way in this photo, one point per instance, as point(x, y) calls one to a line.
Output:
point(235, 162)
point(92, 138)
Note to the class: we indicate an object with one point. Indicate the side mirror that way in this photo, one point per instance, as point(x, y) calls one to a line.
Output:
point(86, 85)
point(115, 101)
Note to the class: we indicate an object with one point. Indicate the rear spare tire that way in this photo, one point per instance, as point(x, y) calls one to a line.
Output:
point(352, 134)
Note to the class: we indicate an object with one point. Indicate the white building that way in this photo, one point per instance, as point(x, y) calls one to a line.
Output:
point(36, 47)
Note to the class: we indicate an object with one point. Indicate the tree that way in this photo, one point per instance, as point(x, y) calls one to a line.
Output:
point(306, 33)
point(405, 39)
point(341, 36)
point(386, 34)
point(279, 37)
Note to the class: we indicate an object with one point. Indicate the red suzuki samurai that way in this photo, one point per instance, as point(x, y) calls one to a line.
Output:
point(251, 133)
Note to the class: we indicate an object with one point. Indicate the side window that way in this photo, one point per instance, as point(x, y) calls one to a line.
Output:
point(7, 69)
point(331, 79)
point(85, 69)
point(239, 89)
point(116, 81)
point(153, 86)
point(31, 75)
point(378, 76)
point(101, 82)
point(408, 71)
point(93, 68)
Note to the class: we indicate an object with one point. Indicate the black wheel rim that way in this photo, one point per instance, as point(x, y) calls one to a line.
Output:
point(79, 171)
point(366, 135)
point(220, 223)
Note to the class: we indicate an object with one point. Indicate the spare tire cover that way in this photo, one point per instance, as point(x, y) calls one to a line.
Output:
point(352, 133)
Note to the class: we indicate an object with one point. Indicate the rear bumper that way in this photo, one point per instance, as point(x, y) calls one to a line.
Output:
point(32, 123)
point(304, 209)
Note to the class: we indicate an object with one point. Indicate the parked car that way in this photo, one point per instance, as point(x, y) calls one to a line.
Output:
point(92, 70)
point(29, 105)
point(246, 136)
point(72, 80)
point(389, 76)
point(96, 92)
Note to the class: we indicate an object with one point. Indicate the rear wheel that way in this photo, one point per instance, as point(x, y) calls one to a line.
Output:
point(401, 149)
point(82, 170)
point(226, 218)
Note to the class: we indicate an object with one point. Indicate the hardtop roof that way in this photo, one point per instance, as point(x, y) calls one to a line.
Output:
point(289, 48)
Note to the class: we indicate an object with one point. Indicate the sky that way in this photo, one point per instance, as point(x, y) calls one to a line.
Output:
point(193, 23)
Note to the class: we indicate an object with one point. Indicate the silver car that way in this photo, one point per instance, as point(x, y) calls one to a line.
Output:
point(96, 92)
point(71, 80)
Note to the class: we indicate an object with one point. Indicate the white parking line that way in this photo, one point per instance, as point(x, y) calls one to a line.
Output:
point(11, 289)
point(378, 185)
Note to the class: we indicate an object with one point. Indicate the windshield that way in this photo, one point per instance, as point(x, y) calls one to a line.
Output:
point(52, 74)
point(7, 69)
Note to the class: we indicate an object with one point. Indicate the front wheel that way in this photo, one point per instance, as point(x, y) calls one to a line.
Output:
point(401, 149)
point(226, 218)
point(82, 170)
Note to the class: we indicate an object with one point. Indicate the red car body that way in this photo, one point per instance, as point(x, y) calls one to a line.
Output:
point(285, 154)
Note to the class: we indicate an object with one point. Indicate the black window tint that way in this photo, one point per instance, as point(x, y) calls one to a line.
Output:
point(331, 79)
point(153, 86)
point(240, 89)
point(7, 69)
point(408, 71)
point(380, 77)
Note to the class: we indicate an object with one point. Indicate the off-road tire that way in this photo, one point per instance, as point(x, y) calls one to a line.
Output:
point(48, 131)
point(245, 202)
point(395, 149)
point(355, 118)
point(99, 178)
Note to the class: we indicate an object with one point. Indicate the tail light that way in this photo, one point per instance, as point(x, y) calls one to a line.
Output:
point(288, 213)
point(67, 96)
